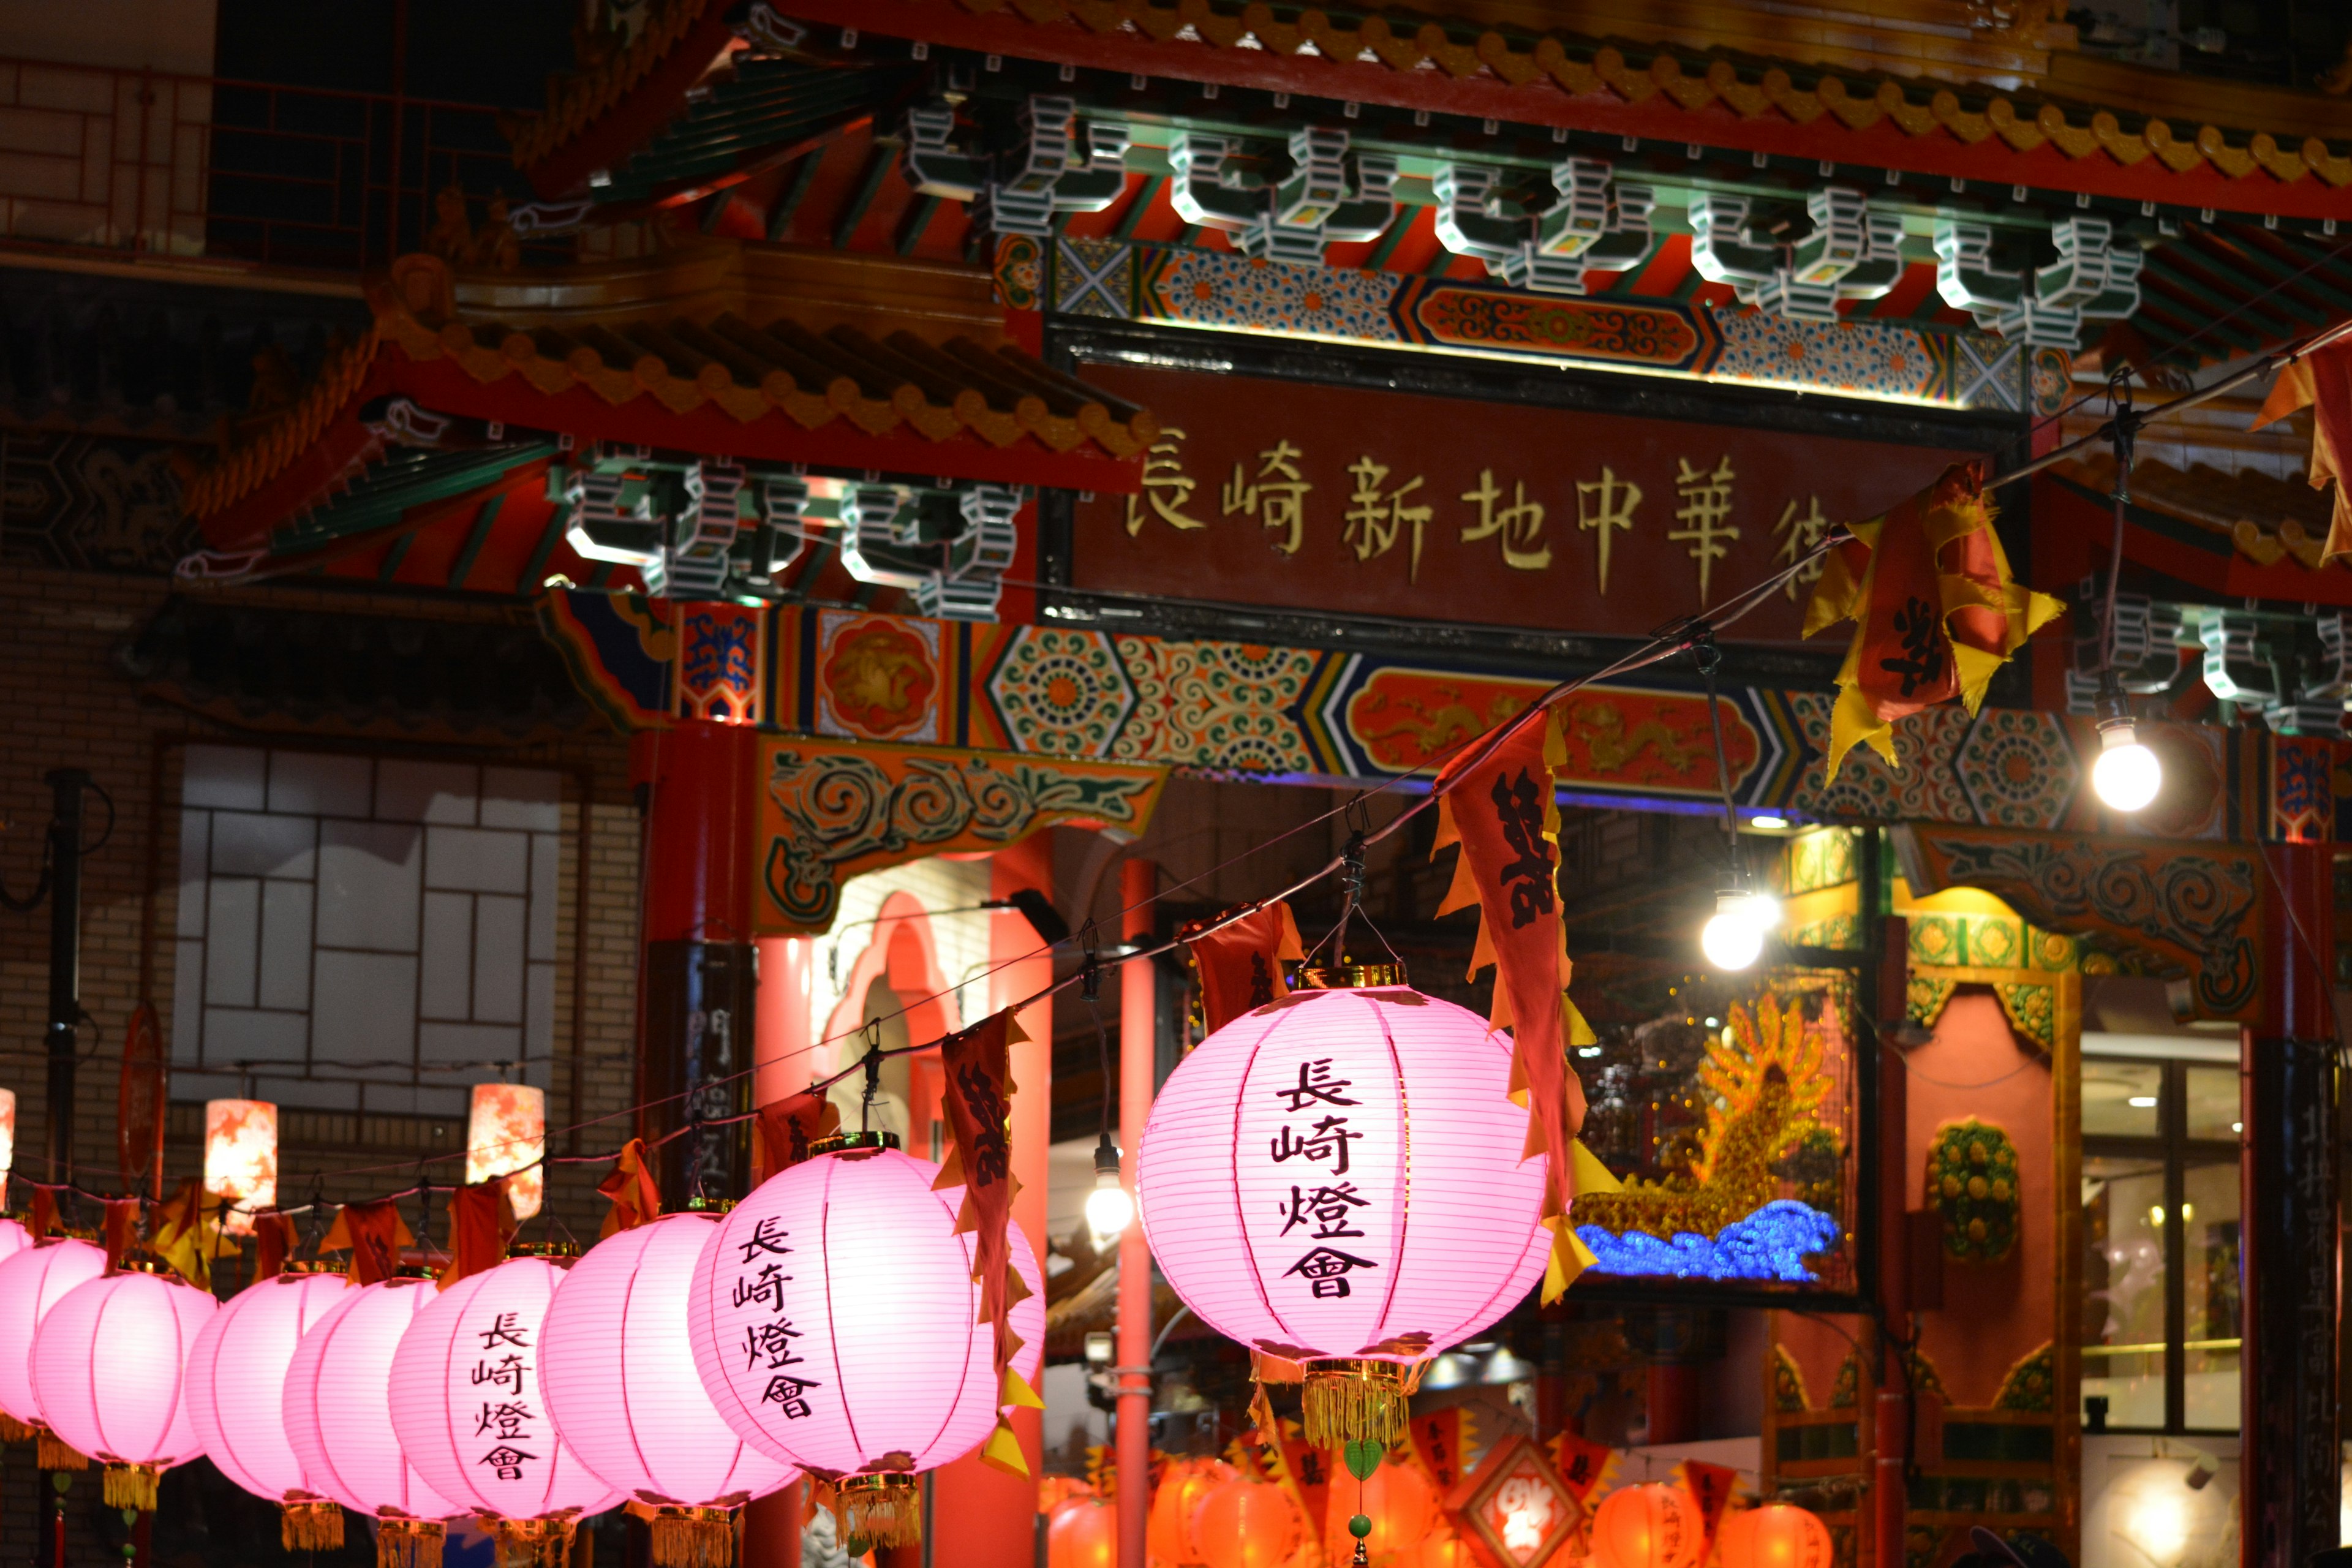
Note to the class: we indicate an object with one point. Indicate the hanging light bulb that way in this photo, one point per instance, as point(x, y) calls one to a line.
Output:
point(1733, 937)
point(1111, 1207)
point(2127, 775)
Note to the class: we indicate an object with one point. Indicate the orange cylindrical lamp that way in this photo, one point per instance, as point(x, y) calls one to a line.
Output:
point(240, 1159)
point(506, 1134)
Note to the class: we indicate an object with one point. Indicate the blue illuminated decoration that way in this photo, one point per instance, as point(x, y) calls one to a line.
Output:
point(1770, 1243)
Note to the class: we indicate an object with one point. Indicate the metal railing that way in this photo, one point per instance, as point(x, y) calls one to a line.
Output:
point(153, 161)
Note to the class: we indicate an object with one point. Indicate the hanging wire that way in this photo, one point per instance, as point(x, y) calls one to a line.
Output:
point(2124, 427)
point(1709, 659)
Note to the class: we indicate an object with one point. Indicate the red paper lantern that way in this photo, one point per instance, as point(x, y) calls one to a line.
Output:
point(235, 1391)
point(618, 1368)
point(471, 1411)
point(1276, 1191)
point(32, 1278)
point(1395, 1497)
point(1777, 1535)
point(1082, 1532)
point(108, 1365)
point(836, 1325)
point(1649, 1526)
point(338, 1411)
point(1244, 1523)
point(1168, 1528)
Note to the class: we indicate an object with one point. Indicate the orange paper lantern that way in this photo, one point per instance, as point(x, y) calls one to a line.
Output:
point(1396, 1498)
point(1168, 1529)
point(1082, 1533)
point(1648, 1526)
point(1778, 1535)
point(1244, 1523)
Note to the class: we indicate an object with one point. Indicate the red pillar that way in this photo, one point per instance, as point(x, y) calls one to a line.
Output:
point(1139, 1034)
point(983, 1518)
point(1891, 1415)
point(696, 981)
point(2289, 1245)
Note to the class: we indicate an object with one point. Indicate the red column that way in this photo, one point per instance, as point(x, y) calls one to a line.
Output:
point(2289, 1244)
point(696, 1008)
point(1138, 1033)
point(983, 1518)
point(1891, 1417)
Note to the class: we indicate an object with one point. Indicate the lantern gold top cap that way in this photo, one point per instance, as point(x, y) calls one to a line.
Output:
point(549, 1249)
point(842, 1143)
point(1349, 975)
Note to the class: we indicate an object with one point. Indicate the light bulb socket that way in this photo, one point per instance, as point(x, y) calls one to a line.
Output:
point(2117, 732)
point(1105, 1162)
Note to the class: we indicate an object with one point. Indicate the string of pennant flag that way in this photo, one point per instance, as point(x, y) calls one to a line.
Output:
point(1934, 611)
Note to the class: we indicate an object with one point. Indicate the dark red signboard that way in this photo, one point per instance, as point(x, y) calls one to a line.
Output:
point(1342, 499)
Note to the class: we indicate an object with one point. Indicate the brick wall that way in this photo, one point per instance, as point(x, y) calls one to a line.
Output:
point(67, 707)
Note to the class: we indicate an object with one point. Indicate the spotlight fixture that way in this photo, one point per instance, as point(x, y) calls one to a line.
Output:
point(1111, 1207)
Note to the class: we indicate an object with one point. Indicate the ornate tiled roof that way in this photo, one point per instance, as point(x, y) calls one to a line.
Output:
point(2094, 117)
point(677, 33)
point(2264, 519)
point(723, 349)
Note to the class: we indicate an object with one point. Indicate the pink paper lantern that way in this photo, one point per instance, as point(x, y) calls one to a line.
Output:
point(337, 1407)
point(834, 1324)
point(1276, 1190)
point(618, 1368)
point(32, 1278)
point(471, 1413)
point(108, 1361)
point(235, 1387)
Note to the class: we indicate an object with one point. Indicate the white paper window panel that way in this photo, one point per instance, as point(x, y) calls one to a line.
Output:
point(368, 885)
point(311, 784)
point(477, 860)
point(427, 792)
point(364, 916)
point(366, 1009)
point(235, 777)
point(444, 981)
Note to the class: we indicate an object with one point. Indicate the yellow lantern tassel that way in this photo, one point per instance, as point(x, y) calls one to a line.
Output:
point(531, 1542)
point(880, 1510)
point(402, 1542)
point(694, 1537)
point(309, 1524)
point(131, 1485)
point(55, 1454)
point(13, 1430)
point(1346, 1401)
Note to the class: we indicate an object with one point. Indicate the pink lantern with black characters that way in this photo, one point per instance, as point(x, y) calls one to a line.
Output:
point(109, 1361)
point(32, 1280)
point(235, 1391)
point(618, 1368)
point(337, 1407)
point(836, 1324)
point(1336, 1179)
point(471, 1413)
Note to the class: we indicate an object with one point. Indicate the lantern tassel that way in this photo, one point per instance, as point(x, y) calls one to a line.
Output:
point(311, 1525)
point(131, 1485)
point(408, 1542)
point(1354, 1401)
point(13, 1430)
point(55, 1454)
point(694, 1537)
point(531, 1542)
point(881, 1510)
